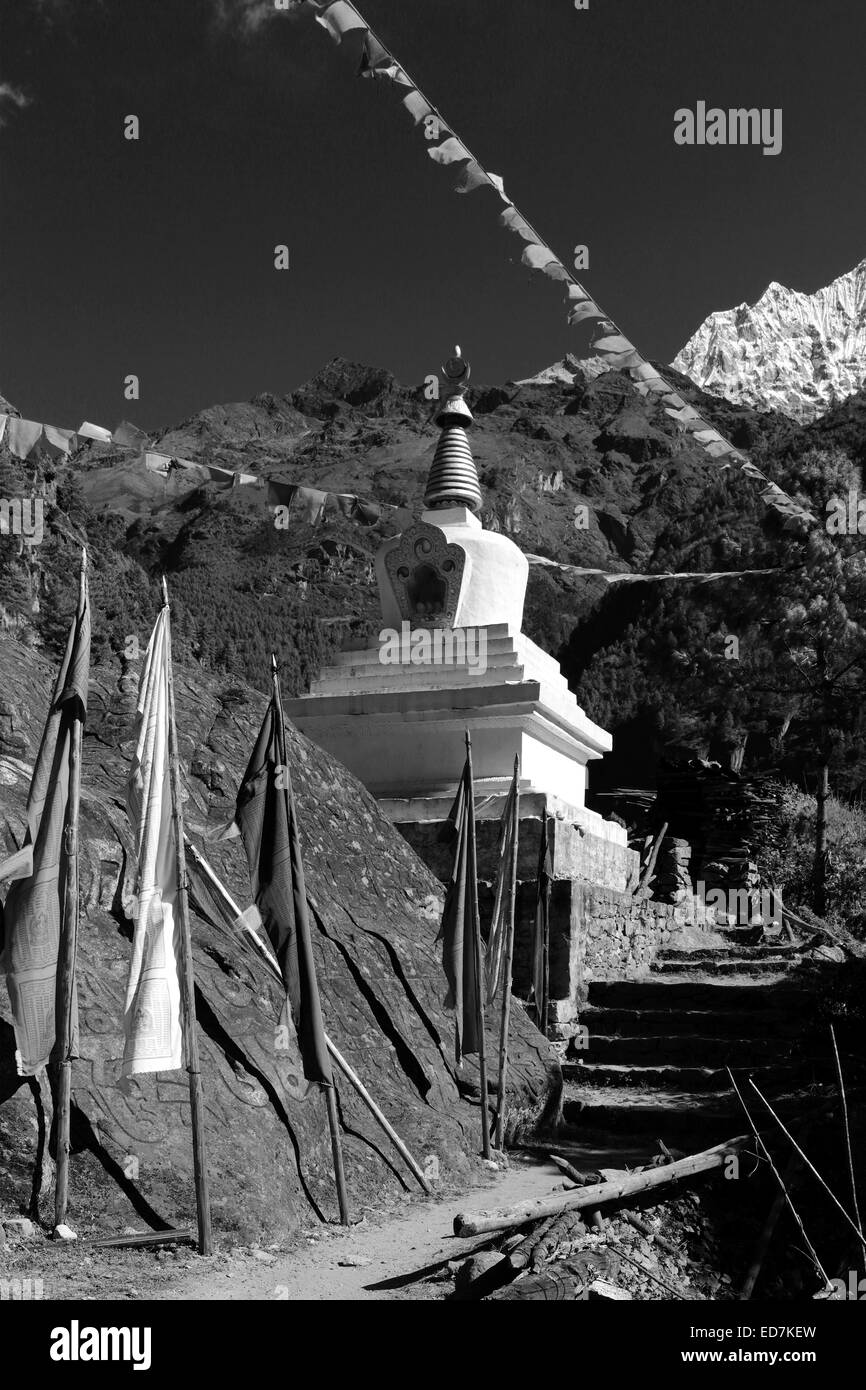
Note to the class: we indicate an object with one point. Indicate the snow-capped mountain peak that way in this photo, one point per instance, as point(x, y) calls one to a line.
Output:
point(790, 351)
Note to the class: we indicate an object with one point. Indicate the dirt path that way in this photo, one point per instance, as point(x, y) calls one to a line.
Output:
point(386, 1247)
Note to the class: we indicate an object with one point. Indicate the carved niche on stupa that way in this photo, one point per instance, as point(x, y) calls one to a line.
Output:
point(427, 573)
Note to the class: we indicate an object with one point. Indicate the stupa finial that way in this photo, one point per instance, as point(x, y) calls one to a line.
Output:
point(453, 480)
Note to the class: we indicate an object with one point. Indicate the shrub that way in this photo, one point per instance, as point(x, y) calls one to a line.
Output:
point(785, 856)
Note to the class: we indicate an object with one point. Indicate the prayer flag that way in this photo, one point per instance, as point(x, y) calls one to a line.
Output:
point(457, 932)
point(22, 436)
point(152, 1024)
point(451, 151)
point(35, 902)
point(541, 933)
point(497, 940)
point(266, 817)
point(88, 431)
point(340, 19)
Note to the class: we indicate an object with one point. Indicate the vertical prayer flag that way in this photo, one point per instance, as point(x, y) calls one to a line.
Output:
point(266, 817)
point(34, 906)
point(152, 1020)
point(457, 932)
point(497, 941)
point(541, 934)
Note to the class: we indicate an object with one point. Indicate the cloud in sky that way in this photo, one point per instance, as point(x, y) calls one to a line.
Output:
point(250, 15)
point(11, 96)
point(246, 16)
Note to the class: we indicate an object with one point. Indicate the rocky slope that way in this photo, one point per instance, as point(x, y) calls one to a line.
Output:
point(375, 922)
point(793, 352)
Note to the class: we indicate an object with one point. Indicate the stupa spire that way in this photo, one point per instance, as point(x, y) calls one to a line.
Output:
point(453, 480)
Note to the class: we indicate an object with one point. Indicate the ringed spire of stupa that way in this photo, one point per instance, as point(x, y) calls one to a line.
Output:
point(453, 480)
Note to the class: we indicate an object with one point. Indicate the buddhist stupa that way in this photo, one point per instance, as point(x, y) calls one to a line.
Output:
point(451, 657)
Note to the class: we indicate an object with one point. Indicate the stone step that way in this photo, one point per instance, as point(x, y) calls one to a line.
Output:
point(709, 1050)
point(739, 935)
point(700, 1120)
point(740, 952)
point(430, 674)
point(758, 1022)
point(678, 992)
point(725, 965)
point(694, 1078)
point(499, 644)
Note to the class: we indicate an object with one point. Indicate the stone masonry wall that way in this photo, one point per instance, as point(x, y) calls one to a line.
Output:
point(622, 935)
point(595, 934)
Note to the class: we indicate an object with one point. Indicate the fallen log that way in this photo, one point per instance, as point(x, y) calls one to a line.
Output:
point(583, 1179)
point(522, 1254)
point(588, 1198)
point(560, 1233)
point(171, 1237)
point(567, 1282)
point(551, 1286)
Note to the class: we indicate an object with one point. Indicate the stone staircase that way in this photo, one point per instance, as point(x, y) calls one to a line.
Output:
point(658, 1047)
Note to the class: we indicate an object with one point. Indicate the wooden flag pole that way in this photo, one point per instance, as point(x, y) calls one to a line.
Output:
point(479, 975)
point(507, 966)
point(68, 951)
point(328, 1087)
point(187, 977)
point(270, 959)
point(544, 903)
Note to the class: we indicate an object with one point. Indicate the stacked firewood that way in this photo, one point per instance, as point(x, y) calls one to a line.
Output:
point(672, 881)
point(720, 814)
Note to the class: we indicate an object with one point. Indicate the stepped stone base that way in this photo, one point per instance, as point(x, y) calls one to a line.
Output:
point(399, 727)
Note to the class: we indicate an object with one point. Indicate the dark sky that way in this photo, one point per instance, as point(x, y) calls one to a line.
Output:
point(156, 257)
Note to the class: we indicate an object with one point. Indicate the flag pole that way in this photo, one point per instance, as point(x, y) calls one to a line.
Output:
point(543, 907)
point(327, 1086)
point(68, 950)
point(187, 977)
point(509, 960)
point(479, 978)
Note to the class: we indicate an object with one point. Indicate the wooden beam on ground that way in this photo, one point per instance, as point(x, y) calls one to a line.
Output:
point(597, 1194)
point(140, 1238)
point(582, 1179)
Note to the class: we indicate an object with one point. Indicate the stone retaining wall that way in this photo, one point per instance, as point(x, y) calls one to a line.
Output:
point(595, 934)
